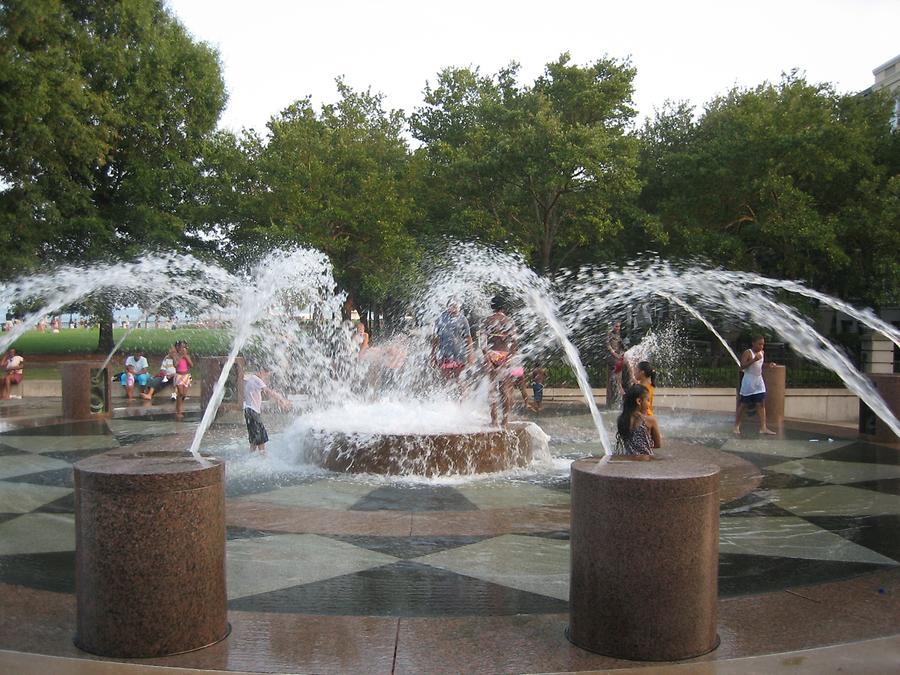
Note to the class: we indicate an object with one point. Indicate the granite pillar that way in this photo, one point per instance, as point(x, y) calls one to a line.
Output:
point(775, 378)
point(888, 387)
point(85, 390)
point(645, 555)
point(211, 370)
point(149, 553)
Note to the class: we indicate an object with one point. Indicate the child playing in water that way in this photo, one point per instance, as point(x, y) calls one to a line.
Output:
point(254, 386)
point(537, 387)
point(638, 432)
point(645, 375)
point(183, 365)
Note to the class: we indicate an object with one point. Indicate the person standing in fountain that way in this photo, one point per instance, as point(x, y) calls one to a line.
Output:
point(451, 344)
point(254, 386)
point(501, 345)
point(753, 387)
point(361, 338)
point(537, 387)
point(183, 365)
point(637, 431)
point(615, 359)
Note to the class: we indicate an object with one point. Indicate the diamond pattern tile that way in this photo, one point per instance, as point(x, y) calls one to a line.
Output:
point(791, 538)
point(530, 564)
point(23, 498)
point(512, 495)
point(768, 445)
point(42, 444)
point(834, 500)
point(38, 533)
point(264, 564)
point(829, 471)
point(323, 494)
point(20, 465)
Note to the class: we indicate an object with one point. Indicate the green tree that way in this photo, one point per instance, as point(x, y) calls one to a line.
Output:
point(541, 167)
point(792, 180)
point(104, 109)
point(336, 180)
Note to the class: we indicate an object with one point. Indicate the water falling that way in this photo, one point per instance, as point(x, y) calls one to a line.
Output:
point(736, 297)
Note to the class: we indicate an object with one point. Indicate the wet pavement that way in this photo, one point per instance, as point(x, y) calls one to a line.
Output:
point(332, 573)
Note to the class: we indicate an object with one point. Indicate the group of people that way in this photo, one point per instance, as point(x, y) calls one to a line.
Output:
point(174, 372)
point(453, 350)
point(637, 429)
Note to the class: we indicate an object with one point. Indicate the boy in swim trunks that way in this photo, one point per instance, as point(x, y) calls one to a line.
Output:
point(254, 386)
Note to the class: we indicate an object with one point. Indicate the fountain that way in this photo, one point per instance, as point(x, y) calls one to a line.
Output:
point(387, 411)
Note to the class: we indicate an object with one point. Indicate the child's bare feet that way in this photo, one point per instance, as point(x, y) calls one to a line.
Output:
point(768, 432)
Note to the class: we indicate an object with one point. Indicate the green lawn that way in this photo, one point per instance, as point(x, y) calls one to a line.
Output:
point(154, 341)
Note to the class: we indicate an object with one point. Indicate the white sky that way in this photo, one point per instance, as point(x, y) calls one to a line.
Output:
point(277, 51)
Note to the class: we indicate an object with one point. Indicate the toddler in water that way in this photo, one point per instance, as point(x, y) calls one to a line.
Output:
point(638, 432)
point(537, 387)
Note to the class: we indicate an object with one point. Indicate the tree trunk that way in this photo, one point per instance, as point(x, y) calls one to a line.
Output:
point(104, 316)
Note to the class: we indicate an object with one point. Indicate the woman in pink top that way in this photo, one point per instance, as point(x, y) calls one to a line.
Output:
point(183, 365)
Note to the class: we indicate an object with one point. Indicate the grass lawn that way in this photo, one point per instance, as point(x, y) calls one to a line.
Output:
point(154, 341)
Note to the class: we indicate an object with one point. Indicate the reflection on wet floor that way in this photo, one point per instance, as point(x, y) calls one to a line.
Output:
point(302, 540)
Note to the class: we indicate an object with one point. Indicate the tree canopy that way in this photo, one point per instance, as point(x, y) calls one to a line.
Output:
point(539, 167)
point(108, 147)
point(104, 110)
point(790, 179)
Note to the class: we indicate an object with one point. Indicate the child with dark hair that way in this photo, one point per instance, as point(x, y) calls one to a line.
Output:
point(500, 333)
point(537, 386)
point(645, 375)
point(638, 433)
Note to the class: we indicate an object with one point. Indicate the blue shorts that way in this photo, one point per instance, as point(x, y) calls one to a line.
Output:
point(754, 398)
point(538, 390)
point(141, 379)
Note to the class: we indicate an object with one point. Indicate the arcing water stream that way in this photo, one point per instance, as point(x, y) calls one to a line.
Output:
point(286, 314)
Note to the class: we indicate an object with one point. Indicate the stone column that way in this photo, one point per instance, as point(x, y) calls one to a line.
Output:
point(211, 369)
point(645, 556)
point(877, 354)
point(85, 390)
point(775, 378)
point(888, 386)
point(149, 553)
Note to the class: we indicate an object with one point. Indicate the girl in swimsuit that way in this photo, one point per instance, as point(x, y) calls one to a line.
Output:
point(183, 365)
point(638, 432)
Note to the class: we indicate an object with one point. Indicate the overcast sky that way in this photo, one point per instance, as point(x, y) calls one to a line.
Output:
point(277, 51)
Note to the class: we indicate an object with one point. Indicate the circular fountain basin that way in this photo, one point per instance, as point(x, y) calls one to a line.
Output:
point(440, 454)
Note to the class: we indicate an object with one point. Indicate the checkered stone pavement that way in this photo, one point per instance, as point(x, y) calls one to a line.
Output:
point(315, 543)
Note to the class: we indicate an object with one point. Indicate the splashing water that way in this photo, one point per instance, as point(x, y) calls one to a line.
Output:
point(286, 314)
point(697, 315)
point(740, 297)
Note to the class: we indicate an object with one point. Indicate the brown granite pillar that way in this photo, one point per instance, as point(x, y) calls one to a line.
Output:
point(85, 390)
point(211, 369)
point(775, 378)
point(149, 553)
point(888, 386)
point(645, 557)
